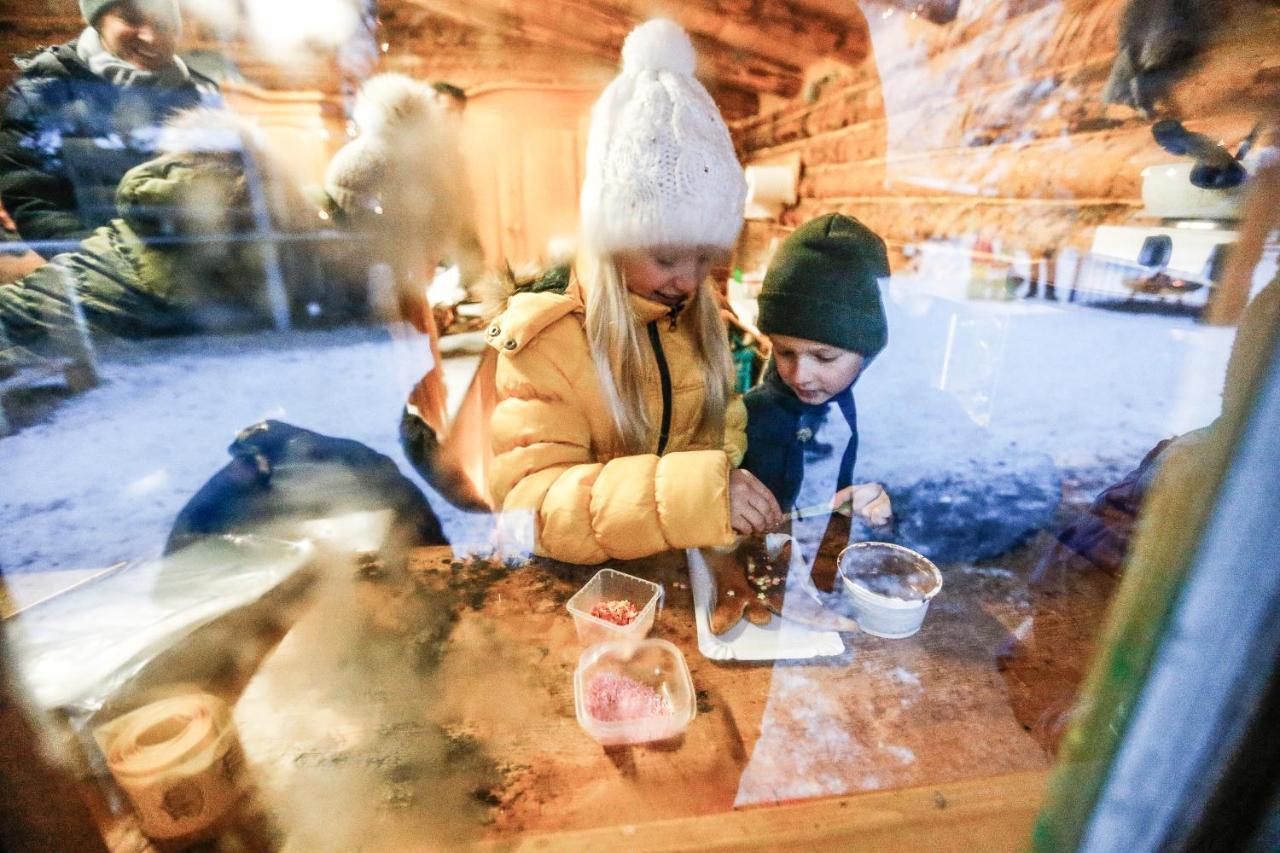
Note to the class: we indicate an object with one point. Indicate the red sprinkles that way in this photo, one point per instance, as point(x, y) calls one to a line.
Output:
point(619, 612)
point(614, 698)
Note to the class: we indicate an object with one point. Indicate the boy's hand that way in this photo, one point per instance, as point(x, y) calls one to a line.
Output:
point(868, 500)
point(752, 507)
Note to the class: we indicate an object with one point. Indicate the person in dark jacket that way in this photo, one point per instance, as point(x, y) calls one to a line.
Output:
point(190, 251)
point(81, 114)
point(820, 306)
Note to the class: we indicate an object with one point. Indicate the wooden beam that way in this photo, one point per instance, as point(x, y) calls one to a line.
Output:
point(735, 103)
point(428, 44)
point(991, 814)
point(480, 65)
point(935, 11)
point(597, 30)
point(775, 29)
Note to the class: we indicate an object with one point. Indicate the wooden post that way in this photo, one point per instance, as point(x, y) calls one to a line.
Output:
point(1261, 214)
point(40, 805)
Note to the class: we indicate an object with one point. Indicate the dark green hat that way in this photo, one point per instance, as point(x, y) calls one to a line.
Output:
point(165, 11)
point(823, 285)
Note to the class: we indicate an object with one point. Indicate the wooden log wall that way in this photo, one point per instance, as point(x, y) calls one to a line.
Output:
point(39, 23)
point(993, 126)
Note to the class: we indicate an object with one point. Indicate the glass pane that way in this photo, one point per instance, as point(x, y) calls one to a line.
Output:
point(435, 423)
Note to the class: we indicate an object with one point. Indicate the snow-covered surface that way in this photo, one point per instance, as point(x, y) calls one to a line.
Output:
point(101, 479)
point(977, 409)
point(1031, 384)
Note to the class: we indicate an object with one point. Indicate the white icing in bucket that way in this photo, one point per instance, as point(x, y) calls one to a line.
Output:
point(888, 587)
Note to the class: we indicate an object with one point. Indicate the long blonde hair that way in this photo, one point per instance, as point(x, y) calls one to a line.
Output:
point(625, 370)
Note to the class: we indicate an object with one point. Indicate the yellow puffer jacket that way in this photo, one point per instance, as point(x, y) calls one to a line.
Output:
point(557, 454)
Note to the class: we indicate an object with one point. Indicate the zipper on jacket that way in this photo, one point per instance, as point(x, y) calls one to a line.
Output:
point(664, 373)
point(674, 315)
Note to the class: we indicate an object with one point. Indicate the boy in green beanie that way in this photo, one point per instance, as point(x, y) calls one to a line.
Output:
point(820, 306)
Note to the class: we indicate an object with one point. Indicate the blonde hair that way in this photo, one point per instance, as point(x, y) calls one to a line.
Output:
point(625, 369)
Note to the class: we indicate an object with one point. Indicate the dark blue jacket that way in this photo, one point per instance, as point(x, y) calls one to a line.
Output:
point(779, 425)
point(67, 136)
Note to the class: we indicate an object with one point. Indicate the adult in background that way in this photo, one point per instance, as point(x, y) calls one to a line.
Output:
point(186, 252)
point(81, 114)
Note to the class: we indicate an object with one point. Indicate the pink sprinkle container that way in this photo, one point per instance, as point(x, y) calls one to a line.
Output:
point(645, 682)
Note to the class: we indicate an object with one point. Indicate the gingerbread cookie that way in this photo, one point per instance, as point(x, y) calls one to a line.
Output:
point(750, 582)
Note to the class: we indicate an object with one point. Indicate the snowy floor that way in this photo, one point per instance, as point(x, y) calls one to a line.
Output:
point(98, 478)
point(102, 476)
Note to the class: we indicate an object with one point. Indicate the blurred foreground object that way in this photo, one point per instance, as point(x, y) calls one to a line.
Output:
point(1095, 549)
point(211, 236)
point(180, 762)
point(282, 477)
point(1216, 168)
point(1260, 215)
point(401, 185)
point(40, 805)
point(205, 615)
point(1159, 41)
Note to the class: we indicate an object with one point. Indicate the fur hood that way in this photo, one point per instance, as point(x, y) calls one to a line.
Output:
point(405, 145)
point(210, 130)
point(212, 168)
point(495, 290)
point(389, 102)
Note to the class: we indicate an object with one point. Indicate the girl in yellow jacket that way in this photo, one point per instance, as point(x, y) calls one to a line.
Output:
point(615, 434)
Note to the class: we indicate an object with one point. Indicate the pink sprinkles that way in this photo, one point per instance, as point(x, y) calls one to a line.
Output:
point(614, 698)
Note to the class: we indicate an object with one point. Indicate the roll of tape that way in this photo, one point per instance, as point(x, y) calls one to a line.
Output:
point(180, 762)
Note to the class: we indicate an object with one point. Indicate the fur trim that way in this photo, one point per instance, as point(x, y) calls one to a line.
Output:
point(390, 101)
point(209, 130)
point(497, 288)
point(216, 133)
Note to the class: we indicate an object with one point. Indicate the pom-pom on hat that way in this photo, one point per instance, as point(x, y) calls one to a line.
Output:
point(824, 285)
point(661, 169)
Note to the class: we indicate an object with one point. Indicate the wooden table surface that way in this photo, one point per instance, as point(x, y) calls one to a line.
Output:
point(436, 706)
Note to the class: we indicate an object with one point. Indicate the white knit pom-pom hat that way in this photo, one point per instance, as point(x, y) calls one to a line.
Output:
point(661, 169)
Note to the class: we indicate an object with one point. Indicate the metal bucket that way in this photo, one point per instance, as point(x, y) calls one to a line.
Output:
point(888, 587)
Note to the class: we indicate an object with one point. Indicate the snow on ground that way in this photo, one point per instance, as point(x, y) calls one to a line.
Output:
point(100, 477)
point(978, 411)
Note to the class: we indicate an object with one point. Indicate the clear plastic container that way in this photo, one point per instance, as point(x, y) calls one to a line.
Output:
point(611, 585)
point(628, 692)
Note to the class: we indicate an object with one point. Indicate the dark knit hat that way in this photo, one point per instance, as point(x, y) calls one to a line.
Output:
point(162, 10)
point(823, 285)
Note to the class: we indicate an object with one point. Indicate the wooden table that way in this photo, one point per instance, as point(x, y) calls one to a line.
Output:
point(427, 703)
point(435, 707)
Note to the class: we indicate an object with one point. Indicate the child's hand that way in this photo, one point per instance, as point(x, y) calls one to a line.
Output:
point(868, 500)
point(752, 507)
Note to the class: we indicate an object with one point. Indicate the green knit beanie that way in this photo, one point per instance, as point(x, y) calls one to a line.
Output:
point(823, 285)
point(162, 10)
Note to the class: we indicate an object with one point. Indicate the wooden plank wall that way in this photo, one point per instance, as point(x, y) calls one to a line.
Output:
point(994, 126)
point(35, 24)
